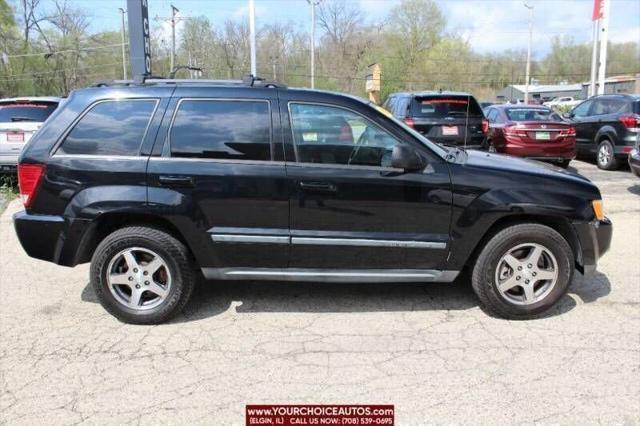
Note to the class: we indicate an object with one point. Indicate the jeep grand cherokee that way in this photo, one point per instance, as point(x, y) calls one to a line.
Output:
point(158, 182)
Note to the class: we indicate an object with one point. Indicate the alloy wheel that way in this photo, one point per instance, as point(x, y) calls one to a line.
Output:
point(604, 154)
point(138, 278)
point(526, 274)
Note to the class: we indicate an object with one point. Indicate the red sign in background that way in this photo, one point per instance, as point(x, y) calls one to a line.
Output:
point(313, 414)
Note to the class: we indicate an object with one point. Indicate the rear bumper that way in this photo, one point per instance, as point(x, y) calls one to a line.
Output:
point(595, 240)
point(634, 162)
point(8, 163)
point(557, 152)
point(52, 238)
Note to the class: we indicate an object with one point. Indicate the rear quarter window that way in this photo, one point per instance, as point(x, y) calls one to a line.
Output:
point(445, 106)
point(11, 112)
point(222, 129)
point(110, 128)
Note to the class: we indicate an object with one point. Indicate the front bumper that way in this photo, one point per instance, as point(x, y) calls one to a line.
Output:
point(52, 238)
point(595, 239)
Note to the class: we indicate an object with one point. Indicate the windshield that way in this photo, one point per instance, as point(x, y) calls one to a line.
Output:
point(26, 111)
point(444, 106)
point(434, 147)
point(531, 114)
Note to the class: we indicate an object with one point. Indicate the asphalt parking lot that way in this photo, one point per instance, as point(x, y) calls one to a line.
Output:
point(428, 348)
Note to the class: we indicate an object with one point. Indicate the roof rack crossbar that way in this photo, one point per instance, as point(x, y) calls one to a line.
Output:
point(247, 80)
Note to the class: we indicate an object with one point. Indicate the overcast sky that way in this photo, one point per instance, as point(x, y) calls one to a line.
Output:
point(489, 25)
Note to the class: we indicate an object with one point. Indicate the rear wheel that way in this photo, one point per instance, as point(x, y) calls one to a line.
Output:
point(523, 271)
point(606, 158)
point(142, 275)
point(564, 164)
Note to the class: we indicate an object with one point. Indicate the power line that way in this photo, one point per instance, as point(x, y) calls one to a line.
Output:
point(57, 52)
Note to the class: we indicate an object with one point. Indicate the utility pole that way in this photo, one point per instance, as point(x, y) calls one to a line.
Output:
point(313, 4)
point(526, 83)
point(604, 38)
point(174, 10)
point(124, 54)
point(252, 35)
point(594, 58)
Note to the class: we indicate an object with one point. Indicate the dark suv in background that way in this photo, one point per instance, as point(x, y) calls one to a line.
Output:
point(449, 118)
point(160, 182)
point(607, 127)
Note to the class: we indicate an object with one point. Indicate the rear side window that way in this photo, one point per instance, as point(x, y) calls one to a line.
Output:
point(445, 106)
point(110, 128)
point(11, 112)
point(222, 129)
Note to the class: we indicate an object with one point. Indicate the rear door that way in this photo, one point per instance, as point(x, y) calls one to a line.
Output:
point(19, 120)
point(448, 119)
point(584, 123)
point(217, 173)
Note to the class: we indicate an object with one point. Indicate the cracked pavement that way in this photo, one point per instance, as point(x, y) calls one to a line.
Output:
point(427, 348)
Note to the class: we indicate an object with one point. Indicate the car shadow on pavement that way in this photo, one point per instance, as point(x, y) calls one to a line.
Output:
point(212, 298)
point(634, 189)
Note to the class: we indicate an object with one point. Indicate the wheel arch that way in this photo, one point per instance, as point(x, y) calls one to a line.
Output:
point(608, 133)
point(109, 222)
point(557, 223)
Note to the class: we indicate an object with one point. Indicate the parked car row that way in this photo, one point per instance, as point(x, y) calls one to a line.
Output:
point(605, 127)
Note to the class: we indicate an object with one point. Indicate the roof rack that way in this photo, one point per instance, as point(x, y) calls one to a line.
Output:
point(248, 80)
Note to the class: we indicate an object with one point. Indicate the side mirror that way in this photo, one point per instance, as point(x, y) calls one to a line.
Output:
point(406, 158)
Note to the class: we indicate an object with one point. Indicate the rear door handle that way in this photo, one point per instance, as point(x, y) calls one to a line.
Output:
point(185, 181)
point(318, 186)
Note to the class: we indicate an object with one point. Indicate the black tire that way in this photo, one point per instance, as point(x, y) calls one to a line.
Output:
point(564, 164)
point(606, 162)
point(172, 251)
point(484, 271)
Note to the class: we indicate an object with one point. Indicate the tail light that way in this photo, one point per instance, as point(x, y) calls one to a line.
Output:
point(513, 130)
point(571, 131)
point(630, 121)
point(409, 121)
point(29, 177)
point(485, 126)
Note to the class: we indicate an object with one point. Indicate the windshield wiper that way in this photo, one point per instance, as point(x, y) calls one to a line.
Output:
point(18, 118)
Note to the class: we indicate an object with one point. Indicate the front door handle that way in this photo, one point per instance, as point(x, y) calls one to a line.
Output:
point(185, 181)
point(318, 186)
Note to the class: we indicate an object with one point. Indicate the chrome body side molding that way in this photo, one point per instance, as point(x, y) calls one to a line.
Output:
point(331, 275)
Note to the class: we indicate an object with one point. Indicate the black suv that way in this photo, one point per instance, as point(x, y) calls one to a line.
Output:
point(448, 118)
point(607, 127)
point(159, 183)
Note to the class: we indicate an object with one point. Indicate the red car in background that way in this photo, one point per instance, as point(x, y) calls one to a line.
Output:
point(535, 132)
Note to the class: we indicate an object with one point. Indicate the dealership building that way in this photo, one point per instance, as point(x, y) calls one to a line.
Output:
point(545, 92)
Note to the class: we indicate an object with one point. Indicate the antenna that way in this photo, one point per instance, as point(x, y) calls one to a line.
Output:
point(466, 122)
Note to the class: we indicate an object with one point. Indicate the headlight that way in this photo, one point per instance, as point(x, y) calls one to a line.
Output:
point(598, 209)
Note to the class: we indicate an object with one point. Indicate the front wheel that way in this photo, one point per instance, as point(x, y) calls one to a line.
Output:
point(523, 271)
point(606, 156)
point(142, 275)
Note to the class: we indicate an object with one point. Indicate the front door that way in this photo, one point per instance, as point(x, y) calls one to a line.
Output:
point(220, 177)
point(350, 209)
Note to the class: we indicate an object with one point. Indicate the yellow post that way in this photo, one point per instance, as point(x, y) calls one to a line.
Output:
point(373, 83)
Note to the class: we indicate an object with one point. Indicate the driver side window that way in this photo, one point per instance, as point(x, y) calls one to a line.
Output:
point(332, 135)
